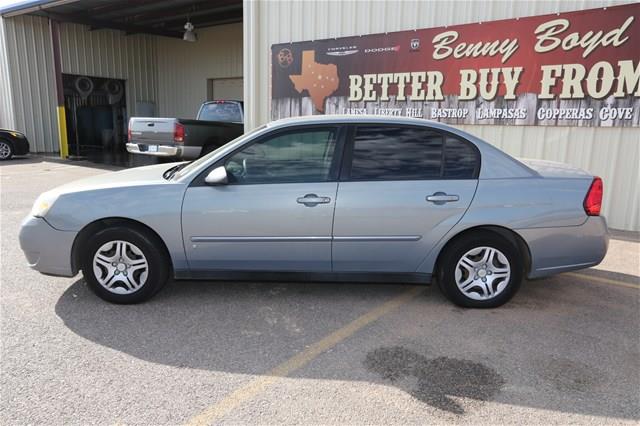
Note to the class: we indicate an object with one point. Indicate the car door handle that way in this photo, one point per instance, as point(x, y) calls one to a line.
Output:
point(441, 198)
point(311, 200)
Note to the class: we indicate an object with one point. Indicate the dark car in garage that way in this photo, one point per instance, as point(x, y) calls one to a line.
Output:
point(12, 143)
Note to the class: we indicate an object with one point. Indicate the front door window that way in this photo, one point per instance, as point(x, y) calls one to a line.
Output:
point(292, 157)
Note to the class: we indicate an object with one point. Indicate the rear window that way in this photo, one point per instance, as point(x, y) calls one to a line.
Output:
point(222, 111)
point(410, 153)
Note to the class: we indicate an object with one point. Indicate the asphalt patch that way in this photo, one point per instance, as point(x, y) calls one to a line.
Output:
point(435, 381)
point(568, 375)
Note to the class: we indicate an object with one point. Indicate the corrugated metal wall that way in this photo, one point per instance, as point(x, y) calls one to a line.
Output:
point(612, 153)
point(102, 53)
point(6, 104)
point(32, 81)
point(183, 68)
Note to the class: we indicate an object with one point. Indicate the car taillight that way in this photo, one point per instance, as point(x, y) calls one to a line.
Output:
point(178, 133)
point(593, 200)
point(129, 134)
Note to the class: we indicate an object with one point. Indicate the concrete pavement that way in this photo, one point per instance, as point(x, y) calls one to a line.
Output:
point(565, 349)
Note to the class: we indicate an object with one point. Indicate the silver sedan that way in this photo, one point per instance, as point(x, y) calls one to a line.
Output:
point(326, 198)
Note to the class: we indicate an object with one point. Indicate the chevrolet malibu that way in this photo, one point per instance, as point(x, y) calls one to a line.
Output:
point(329, 198)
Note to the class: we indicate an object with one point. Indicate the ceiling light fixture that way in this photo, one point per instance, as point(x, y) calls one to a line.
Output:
point(189, 35)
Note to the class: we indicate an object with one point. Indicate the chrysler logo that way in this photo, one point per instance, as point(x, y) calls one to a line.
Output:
point(342, 50)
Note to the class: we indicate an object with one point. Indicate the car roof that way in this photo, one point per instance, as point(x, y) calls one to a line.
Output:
point(222, 101)
point(369, 119)
point(354, 118)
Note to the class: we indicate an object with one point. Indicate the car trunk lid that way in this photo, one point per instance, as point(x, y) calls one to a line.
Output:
point(554, 169)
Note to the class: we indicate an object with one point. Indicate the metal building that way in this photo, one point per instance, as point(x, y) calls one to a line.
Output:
point(138, 43)
point(135, 47)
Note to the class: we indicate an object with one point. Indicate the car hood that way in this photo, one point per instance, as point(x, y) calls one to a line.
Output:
point(12, 132)
point(137, 176)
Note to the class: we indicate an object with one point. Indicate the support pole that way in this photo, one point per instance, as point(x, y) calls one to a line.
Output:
point(54, 27)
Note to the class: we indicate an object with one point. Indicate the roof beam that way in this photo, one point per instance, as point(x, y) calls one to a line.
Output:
point(112, 6)
point(98, 23)
point(142, 8)
point(214, 23)
point(203, 21)
point(25, 9)
point(199, 9)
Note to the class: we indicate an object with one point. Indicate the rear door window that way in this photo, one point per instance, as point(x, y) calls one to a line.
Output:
point(396, 153)
point(410, 153)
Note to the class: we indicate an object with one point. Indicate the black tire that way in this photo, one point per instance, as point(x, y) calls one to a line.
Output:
point(150, 246)
point(454, 253)
point(6, 150)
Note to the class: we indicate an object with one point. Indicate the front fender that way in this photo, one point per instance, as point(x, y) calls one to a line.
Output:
point(156, 206)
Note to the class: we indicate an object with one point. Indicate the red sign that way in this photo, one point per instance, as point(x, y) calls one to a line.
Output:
point(573, 69)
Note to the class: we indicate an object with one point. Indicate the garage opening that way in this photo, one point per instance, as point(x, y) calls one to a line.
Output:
point(96, 112)
point(224, 89)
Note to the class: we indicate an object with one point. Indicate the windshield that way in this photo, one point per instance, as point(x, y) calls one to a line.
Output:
point(221, 111)
point(203, 160)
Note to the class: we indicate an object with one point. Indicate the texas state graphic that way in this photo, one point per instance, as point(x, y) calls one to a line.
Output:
point(320, 80)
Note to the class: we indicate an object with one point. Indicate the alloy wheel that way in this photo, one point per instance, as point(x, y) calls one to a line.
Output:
point(5, 150)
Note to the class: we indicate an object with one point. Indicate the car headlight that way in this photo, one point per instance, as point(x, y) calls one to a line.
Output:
point(43, 204)
point(16, 135)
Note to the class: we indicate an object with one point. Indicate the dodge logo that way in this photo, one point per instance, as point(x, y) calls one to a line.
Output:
point(415, 44)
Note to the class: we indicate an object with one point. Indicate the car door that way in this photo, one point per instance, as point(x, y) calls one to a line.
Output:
point(401, 189)
point(275, 213)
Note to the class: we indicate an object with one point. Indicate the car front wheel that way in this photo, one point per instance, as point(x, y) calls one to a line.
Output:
point(6, 150)
point(124, 265)
point(481, 270)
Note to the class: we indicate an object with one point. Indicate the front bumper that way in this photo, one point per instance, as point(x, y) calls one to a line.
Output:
point(20, 146)
point(186, 152)
point(47, 249)
point(568, 248)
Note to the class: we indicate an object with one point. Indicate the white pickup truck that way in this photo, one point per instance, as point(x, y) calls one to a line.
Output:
point(217, 123)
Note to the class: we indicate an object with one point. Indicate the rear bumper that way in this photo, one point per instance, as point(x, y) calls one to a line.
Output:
point(186, 152)
point(561, 249)
point(47, 249)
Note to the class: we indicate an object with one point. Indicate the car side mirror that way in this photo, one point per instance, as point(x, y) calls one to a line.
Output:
point(217, 176)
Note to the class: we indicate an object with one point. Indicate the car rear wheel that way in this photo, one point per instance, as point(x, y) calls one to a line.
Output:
point(6, 150)
point(481, 270)
point(125, 265)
